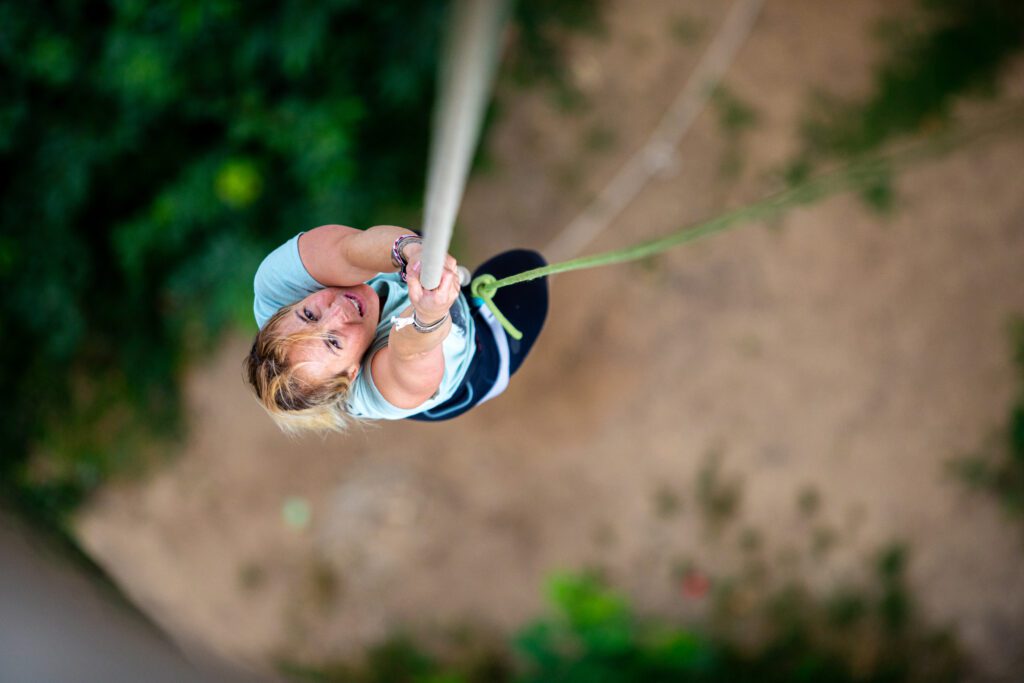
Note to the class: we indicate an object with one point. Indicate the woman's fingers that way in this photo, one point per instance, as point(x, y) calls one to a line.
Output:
point(449, 263)
point(413, 252)
point(434, 303)
point(443, 293)
point(448, 289)
point(412, 278)
point(450, 269)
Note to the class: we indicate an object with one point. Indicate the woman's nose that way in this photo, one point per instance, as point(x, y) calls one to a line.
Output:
point(341, 311)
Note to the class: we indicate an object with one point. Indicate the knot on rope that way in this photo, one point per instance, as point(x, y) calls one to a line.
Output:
point(483, 288)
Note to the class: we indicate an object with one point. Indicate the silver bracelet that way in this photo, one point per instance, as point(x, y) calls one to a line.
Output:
point(399, 323)
point(420, 327)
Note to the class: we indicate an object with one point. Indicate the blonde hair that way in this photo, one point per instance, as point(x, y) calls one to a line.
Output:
point(295, 404)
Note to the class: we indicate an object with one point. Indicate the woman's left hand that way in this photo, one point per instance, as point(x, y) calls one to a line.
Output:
point(432, 304)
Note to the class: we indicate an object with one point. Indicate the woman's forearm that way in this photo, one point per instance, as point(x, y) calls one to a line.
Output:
point(371, 249)
point(340, 256)
point(409, 369)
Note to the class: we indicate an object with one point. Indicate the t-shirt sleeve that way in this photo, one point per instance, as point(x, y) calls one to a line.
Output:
point(280, 281)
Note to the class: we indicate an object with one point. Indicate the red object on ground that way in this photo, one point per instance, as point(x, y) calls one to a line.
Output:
point(696, 584)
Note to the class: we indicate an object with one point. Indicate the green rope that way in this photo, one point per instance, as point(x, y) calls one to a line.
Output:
point(483, 287)
point(859, 174)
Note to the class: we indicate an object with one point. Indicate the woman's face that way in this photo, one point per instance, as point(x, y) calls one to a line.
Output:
point(344, 320)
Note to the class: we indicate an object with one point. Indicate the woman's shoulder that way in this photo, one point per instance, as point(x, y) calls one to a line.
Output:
point(281, 280)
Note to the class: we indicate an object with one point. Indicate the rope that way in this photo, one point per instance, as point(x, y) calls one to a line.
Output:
point(659, 152)
point(859, 174)
point(467, 71)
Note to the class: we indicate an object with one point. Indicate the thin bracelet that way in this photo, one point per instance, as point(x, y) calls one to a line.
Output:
point(420, 327)
point(397, 257)
point(399, 323)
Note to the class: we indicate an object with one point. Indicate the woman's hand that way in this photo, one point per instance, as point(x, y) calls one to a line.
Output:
point(431, 304)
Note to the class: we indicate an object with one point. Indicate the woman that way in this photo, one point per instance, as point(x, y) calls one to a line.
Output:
point(347, 331)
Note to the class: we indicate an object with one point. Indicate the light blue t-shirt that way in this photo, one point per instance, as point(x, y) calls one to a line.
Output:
point(282, 279)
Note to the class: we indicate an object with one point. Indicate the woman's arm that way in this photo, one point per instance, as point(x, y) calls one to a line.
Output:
point(339, 256)
point(409, 369)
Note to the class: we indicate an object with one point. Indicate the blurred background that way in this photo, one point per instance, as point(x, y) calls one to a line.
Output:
point(792, 451)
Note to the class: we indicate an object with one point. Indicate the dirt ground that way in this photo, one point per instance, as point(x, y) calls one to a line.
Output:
point(834, 351)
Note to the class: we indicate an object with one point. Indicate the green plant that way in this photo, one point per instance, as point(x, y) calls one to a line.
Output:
point(152, 153)
point(868, 634)
point(718, 496)
point(594, 636)
point(958, 47)
point(735, 119)
point(999, 466)
point(541, 28)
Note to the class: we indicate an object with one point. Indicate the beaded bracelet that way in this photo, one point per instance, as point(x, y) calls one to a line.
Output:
point(397, 257)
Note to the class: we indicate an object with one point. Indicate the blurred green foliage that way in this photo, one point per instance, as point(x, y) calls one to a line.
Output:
point(736, 118)
point(594, 636)
point(868, 635)
point(999, 466)
point(955, 47)
point(152, 151)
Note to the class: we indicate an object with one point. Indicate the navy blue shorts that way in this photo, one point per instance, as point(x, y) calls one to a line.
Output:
point(526, 307)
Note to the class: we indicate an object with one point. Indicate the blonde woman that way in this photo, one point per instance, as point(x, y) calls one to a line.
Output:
point(348, 332)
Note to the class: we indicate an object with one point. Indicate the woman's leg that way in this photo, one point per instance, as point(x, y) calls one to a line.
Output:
point(525, 304)
point(526, 307)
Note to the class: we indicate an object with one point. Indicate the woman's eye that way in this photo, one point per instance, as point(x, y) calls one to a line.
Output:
point(308, 314)
point(333, 341)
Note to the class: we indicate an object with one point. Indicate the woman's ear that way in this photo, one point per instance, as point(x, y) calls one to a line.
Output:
point(352, 372)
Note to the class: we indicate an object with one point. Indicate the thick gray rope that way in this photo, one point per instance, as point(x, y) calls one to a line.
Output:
point(467, 73)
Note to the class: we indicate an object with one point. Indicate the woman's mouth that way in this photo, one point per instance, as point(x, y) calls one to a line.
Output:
point(357, 303)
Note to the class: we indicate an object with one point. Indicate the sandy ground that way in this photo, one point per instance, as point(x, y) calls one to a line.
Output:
point(834, 350)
